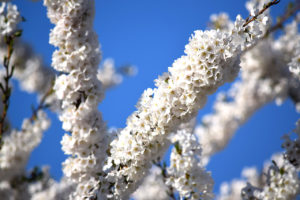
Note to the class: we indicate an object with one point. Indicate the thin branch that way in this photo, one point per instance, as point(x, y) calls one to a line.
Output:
point(6, 89)
point(266, 6)
point(290, 11)
point(42, 104)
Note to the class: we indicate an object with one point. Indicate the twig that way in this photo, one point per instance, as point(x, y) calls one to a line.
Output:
point(266, 6)
point(281, 20)
point(6, 89)
point(42, 104)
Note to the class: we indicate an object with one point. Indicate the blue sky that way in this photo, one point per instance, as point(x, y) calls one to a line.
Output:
point(151, 35)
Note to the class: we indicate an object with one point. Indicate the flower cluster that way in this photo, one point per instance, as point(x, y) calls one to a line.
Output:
point(185, 173)
point(282, 182)
point(30, 71)
point(98, 171)
point(9, 18)
point(288, 42)
point(18, 145)
point(288, 45)
point(107, 74)
point(232, 190)
point(261, 81)
point(292, 147)
point(253, 7)
point(79, 89)
point(23, 186)
point(221, 21)
point(264, 78)
point(212, 58)
point(32, 74)
point(153, 187)
point(6, 191)
point(292, 33)
point(55, 191)
point(294, 65)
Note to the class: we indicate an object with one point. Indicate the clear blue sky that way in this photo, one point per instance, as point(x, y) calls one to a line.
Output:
point(150, 35)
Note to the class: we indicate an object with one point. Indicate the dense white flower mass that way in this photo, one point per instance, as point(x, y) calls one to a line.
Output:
point(153, 187)
point(186, 173)
point(79, 89)
point(33, 74)
point(288, 45)
point(55, 191)
point(18, 145)
point(282, 182)
point(9, 19)
point(264, 78)
point(6, 191)
point(292, 147)
point(221, 21)
point(108, 75)
point(232, 190)
point(288, 42)
point(294, 65)
point(212, 58)
point(261, 81)
point(111, 164)
point(35, 77)
point(278, 180)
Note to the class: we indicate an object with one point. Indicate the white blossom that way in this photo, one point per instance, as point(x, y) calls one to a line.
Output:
point(111, 76)
point(107, 74)
point(221, 21)
point(9, 18)
point(264, 78)
point(153, 187)
point(292, 147)
point(6, 191)
point(55, 191)
point(211, 59)
point(288, 43)
point(78, 56)
point(18, 145)
point(262, 81)
point(282, 182)
point(97, 170)
point(186, 173)
point(232, 190)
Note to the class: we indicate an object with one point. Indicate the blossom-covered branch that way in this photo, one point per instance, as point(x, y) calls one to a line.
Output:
point(17, 147)
point(111, 166)
point(80, 91)
point(264, 78)
point(281, 182)
point(9, 19)
point(186, 173)
point(256, 13)
point(212, 58)
point(278, 180)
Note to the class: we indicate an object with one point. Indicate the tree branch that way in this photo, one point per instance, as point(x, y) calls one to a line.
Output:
point(266, 6)
point(290, 11)
point(6, 89)
point(42, 103)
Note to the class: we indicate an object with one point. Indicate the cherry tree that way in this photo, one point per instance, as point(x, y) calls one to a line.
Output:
point(126, 163)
